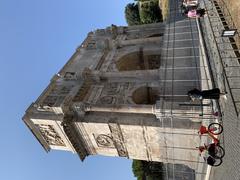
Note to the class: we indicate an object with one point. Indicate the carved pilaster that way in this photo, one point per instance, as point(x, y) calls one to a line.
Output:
point(118, 139)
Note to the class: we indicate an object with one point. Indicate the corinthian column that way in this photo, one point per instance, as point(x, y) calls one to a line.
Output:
point(138, 109)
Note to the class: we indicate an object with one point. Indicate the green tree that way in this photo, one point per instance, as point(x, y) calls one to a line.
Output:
point(145, 170)
point(132, 14)
point(137, 168)
point(143, 12)
point(150, 12)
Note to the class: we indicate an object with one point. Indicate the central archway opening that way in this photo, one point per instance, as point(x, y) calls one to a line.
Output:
point(139, 61)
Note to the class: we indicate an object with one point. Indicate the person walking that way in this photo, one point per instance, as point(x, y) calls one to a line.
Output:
point(195, 13)
point(206, 94)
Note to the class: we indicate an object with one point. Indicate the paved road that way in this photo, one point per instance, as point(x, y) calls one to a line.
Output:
point(182, 48)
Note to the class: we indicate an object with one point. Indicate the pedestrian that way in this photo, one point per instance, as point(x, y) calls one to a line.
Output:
point(210, 160)
point(195, 13)
point(187, 6)
point(212, 149)
point(201, 12)
point(209, 157)
point(206, 94)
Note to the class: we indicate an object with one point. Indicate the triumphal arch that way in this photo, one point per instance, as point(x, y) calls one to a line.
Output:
point(124, 93)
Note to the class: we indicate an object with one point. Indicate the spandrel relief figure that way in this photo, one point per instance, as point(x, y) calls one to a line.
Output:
point(50, 135)
point(70, 75)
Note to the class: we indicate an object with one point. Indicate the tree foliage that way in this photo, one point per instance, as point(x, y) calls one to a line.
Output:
point(150, 13)
point(132, 14)
point(144, 170)
point(138, 168)
point(143, 12)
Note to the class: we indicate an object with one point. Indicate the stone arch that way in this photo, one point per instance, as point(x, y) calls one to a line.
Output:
point(139, 60)
point(145, 95)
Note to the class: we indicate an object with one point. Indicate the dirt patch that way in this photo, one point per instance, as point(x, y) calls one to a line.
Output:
point(164, 4)
point(232, 7)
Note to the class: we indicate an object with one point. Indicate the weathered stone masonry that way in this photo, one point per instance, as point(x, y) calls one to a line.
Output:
point(120, 95)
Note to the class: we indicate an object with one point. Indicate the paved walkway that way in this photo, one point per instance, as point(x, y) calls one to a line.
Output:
point(183, 48)
point(226, 73)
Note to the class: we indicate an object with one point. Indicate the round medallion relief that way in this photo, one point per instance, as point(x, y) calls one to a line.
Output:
point(104, 140)
point(106, 100)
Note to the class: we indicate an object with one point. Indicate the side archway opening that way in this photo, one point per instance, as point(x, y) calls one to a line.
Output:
point(145, 95)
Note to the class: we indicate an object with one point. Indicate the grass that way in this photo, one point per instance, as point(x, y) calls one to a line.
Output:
point(233, 7)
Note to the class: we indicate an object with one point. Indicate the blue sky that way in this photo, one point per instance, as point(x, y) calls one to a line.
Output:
point(37, 37)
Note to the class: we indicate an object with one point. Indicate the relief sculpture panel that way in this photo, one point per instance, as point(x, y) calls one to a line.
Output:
point(112, 88)
point(104, 140)
point(114, 93)
point(106, 100)
point(50, 135)
point(113, 140)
